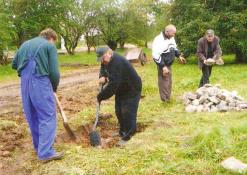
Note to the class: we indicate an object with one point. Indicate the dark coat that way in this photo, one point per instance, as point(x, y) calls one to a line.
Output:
point(124, 81)
point(202, 49)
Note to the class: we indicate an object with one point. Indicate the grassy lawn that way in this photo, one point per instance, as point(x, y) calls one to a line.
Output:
point(174, 142)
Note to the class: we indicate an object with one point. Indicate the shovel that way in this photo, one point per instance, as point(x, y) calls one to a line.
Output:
point(65, 120)
point(94, 135)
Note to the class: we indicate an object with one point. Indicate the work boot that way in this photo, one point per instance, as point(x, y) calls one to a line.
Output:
point(121, 143)
point(57, 156)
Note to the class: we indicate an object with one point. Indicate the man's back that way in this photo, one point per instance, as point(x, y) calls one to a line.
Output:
point(46, 60)
point(123, 79)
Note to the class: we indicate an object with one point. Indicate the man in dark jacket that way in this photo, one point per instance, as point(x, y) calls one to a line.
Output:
point(208, 47)
point(125, 83)
point(37, 65)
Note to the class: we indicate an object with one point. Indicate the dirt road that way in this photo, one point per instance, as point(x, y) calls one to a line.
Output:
point(10, 99)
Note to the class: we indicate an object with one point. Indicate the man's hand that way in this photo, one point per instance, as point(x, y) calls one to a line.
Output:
point(209, 62)
point(182, 60)
point(165, 71)
point(102, 80)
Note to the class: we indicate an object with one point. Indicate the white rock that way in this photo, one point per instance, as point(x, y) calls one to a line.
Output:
point(243, 105)
point(234, 164)
point(199, 108)
point(190, 108)
point(203, 98)
point(195, 102)
point(214, 100)
point(191, 96)
point(213, 109)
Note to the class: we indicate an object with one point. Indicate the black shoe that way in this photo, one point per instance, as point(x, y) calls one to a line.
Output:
point(57, 156)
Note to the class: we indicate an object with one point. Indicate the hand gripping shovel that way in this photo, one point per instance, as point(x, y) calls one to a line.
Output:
point(94, 135)
point(65, 120)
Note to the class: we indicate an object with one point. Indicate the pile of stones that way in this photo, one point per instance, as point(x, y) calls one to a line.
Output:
point(211, 98)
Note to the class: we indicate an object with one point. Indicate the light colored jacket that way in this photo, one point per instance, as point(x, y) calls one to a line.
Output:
point(162, 45)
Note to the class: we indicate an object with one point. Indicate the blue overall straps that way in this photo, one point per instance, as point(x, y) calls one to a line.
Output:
point(39, 107)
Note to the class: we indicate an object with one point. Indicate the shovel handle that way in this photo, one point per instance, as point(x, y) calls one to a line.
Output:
point(60, 108)
point(97, 109)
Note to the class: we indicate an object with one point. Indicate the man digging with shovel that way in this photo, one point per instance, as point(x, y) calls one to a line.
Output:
point(37, 65)
point(125, 83)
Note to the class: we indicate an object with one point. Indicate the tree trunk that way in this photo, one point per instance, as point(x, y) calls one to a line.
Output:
point(3, 58)
point(112, 44)
point(122, 44)
point(240, 56)
point(146, 44)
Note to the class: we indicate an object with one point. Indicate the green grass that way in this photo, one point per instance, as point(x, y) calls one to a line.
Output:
point(175, 142)
point(79, 58)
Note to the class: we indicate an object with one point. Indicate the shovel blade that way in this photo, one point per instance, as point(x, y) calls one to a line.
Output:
point(95, 139)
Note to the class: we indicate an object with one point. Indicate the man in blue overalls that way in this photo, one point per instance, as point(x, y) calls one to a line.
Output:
point(37, 65)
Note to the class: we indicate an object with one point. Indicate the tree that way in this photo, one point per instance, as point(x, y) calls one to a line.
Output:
point(227, 17)
point(91, 30)
point(70, 23)
point(6, 33)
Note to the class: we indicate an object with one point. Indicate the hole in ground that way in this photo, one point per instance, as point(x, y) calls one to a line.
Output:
point(105, 127)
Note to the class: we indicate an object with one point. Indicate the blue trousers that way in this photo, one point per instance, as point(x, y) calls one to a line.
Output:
point(40, 109)
point(126, 112)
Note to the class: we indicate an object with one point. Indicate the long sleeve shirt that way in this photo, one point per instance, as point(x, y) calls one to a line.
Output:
point(161, 45)
point(47, 62)
point(123, 79)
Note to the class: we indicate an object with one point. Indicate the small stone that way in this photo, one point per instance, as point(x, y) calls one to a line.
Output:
point(213, 109)
point(232, 104)
point(187, 101)
point(213, 91)
point(214, 100)
point(203, 98)
point(195, 102)
point(222, 107)
point(190, 108)
point(209, 104)
point(205, 108)
point(199, 108)
point(191, 96)
point(243, 105)
point(234, 165)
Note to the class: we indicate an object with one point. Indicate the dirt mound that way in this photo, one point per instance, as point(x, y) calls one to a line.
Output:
point(105, 127)
point(11, 136)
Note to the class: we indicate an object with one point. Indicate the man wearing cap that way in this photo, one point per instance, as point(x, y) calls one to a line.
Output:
point(37, 65)
point(164, 51)
point(124, 82)
point(208, 48)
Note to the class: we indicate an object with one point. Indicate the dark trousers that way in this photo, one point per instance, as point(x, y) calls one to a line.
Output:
point(165, 84)
point(126, 111)
point(206, 73)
